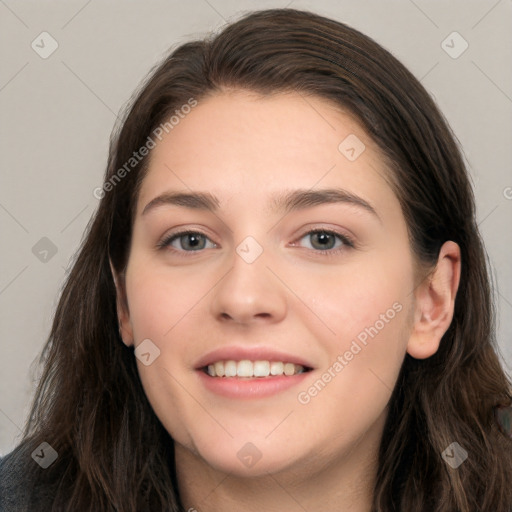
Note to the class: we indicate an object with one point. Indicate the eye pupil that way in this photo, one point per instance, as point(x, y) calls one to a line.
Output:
point(325, 240)
point(192, 241)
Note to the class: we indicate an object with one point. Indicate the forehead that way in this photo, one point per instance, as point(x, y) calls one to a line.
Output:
point(243, 146)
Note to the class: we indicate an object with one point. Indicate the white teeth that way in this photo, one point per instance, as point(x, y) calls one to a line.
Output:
point(230, 369)
point(219, 368)
point(261, 368)
point(276, 368)
point(246, 368)
point(289, 369)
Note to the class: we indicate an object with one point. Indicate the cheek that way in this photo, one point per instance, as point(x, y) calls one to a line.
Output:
point(160, 309)
point(362, 293)
point(354, 386)
point(160, 299)
point(367, 308)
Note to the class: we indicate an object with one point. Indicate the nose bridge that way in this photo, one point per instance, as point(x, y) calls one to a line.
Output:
point(248, 291)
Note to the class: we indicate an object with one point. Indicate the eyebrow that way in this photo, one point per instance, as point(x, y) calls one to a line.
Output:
point(299, 199)
point(283, 203)
point(194, 200)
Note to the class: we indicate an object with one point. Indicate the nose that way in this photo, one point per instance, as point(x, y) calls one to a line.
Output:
point(249, 293)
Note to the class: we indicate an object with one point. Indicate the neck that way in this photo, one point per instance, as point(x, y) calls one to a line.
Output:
point(319, 482)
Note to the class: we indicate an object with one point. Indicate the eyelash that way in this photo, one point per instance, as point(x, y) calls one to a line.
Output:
point(347, 241)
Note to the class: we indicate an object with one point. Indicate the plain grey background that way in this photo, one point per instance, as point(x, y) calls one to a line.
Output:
point(58, 112)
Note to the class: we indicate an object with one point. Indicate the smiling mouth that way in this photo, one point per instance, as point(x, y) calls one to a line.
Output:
point(246, 369)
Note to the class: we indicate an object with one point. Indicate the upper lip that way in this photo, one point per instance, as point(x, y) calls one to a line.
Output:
point(237, 353)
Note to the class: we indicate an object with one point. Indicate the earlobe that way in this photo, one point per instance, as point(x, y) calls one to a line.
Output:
point(123, 315)
point(435, 303)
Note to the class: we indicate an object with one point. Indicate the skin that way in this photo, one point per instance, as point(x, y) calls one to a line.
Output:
point(244, 149)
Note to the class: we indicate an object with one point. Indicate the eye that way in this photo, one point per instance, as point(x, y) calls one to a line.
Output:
point(187, 241)
point(324, 241)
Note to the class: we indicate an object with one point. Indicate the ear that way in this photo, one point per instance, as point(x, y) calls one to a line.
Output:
point(123, 314)
point(434, 303)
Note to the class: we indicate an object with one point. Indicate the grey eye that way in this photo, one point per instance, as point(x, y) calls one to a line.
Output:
point(323, 240)
point(188, 242)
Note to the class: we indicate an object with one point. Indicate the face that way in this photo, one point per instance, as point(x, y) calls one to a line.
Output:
point(295, 257)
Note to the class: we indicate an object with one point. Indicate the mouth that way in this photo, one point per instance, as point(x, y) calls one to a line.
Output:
point(258, 369)
point(251, 372)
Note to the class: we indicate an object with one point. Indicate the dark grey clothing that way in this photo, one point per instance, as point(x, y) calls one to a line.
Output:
point(17, 493)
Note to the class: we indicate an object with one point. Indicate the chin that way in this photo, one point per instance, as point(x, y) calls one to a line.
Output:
point(245, 459)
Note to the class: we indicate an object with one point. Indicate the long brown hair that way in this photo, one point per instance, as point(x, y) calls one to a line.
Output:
point(113, 452)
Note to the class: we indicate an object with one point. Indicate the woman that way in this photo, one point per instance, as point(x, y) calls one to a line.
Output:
point(282, 302)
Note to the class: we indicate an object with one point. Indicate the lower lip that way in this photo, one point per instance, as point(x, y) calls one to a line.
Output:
point(257, 387)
